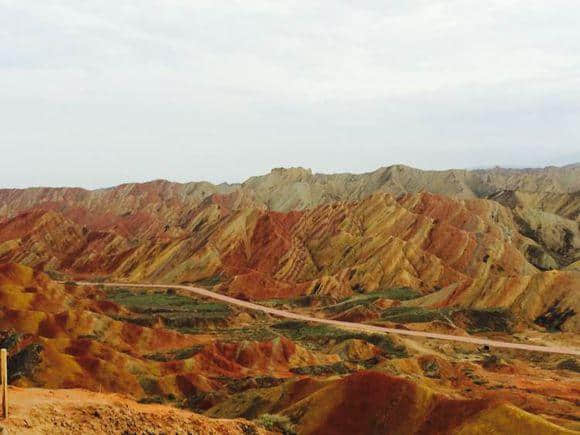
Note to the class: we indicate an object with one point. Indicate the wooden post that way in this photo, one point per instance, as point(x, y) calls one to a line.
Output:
point(4, 361)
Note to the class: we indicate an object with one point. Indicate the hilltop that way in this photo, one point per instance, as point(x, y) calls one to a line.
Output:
point(285, 189)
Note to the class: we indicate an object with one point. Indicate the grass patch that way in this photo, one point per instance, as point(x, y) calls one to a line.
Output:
point(174, 310)
point(159, 302)
point(168, 303)
point(474, 320)
point(157, 400)
point(210, 281)
point(250, 382)
point(277, 423)
point(299, 302)
point(322, 370)
point(569, 364)
point(412, 315)
point(398, 293)
point(488, 320)
point(555, 317)
point(315, 336)
point(257, 333)
point(177, 354)
point(150, 386)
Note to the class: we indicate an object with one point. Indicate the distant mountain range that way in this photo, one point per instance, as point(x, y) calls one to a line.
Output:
point(285, 189)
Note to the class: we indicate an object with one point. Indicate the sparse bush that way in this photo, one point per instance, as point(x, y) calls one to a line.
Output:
point(569, 364)
point(411, 315)
point(24, 362)
point(330, 369)
point(276, 422)
point(150, 386)
point(555, 317)
point(177, 354)
point(210, 281)
point(474, 320)
point(316, 335)
point(151, 400)
point(397, 293)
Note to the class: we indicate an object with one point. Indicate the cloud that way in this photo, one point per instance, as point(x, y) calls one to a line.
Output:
point(224, 89)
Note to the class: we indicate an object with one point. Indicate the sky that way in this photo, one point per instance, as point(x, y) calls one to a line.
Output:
point(97, 93)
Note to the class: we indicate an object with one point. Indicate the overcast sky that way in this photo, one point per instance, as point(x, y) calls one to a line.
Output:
point(96, 93)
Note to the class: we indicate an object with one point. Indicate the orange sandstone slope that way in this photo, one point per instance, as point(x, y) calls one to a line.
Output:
point(67, 336)
point(64, 336)
point(466, 252)
point(369, 402)
point(456, 235)
point(34, 411)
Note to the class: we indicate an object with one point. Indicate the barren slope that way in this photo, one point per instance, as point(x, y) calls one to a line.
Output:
point(40, 411)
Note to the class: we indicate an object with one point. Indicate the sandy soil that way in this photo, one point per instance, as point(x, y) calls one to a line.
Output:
point(40, 411)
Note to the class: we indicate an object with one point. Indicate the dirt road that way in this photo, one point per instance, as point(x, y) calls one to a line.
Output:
point(348, 325)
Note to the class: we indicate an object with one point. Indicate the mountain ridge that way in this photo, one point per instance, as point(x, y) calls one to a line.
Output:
point(301, 188)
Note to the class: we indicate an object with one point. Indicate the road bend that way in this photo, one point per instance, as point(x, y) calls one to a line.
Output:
point(347, 325)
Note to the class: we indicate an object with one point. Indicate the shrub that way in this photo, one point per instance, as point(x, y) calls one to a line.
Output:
point(275, 422)
point(397, 293)
point(321, 334)
point(569, 364)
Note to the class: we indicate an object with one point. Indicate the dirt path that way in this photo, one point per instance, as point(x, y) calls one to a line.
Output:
point(348, 325)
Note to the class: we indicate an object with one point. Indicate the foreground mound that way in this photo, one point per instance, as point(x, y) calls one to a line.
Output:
point(373, 402)
point(79, 411)
point(64, 336)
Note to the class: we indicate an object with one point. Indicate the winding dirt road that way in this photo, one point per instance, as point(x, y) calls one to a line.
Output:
point(348, 325)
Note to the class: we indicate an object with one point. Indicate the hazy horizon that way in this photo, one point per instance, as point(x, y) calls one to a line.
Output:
point(98, 94)
point(231, 182)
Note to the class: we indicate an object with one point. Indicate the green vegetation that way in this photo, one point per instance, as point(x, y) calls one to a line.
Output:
point(474, 378)
point(431, 369)
point(569, 364)
point(474, 320)
point(174, 310)
point(158, 400)
point(177, 354)
point(257, 333)
point(160, 302)
point(275, 422)
point(398, 293)
point(487, 320)
point(235, 385)
point(555, 317)
point(412, 314)
point(301, 301)
point(201, 401)
point(314, 336)
point(55, 275)
point(209, 282)
point(150, 386)
point(338, 368)
point(23, 363)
